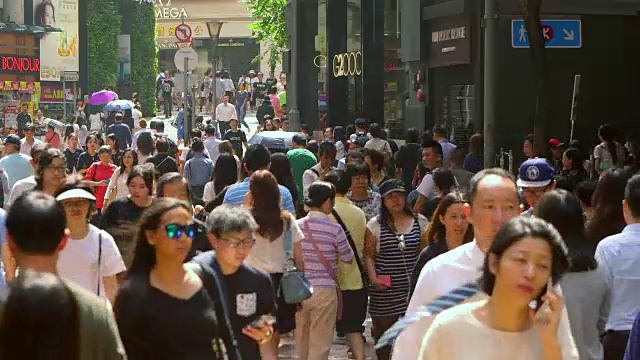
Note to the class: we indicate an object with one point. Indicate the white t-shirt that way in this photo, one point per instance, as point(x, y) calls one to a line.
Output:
point(211, 145)
point(78, 261)
point(443, 274)
point(95, 124)
point(136, 115)
point(380, 145)
point(209, 192)
point(427, 187)
point(19, 188)
point(457, 334)
point(268, 255)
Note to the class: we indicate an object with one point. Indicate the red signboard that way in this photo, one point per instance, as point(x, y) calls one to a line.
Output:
point(56, 94)
point(19, 64)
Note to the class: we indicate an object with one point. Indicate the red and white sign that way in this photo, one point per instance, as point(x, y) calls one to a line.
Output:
point(183, 32)
point(19, 64)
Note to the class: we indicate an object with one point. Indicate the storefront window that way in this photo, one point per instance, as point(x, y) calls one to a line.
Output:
point(395, 82)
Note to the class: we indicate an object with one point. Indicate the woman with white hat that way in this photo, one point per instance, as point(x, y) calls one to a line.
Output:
point(90, 258)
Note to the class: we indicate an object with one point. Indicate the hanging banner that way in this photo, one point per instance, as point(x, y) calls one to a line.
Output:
point(54, 94)
point(58, 50)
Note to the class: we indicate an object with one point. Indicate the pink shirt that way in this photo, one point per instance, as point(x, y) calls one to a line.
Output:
point(275, 102)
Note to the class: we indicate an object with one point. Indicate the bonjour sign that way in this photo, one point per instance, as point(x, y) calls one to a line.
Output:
point(19, 64)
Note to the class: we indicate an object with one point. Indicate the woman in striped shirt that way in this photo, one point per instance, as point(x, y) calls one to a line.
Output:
point(324, 241)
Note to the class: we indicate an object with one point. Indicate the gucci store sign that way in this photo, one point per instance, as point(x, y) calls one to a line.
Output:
point(347, 64)
point(450, 41)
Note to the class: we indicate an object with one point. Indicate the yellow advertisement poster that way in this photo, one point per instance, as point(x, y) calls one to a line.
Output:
point(58, 50)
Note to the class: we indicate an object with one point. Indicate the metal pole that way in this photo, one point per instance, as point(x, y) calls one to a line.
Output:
point(75, 98)
point(214, 86)
point(64, 97)
point(185, 92)
point(490, 32)
point(292, 83)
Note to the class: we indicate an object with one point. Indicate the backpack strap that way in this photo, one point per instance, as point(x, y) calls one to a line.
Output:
point(363, 273)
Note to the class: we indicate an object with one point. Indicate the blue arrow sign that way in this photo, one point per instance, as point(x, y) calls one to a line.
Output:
point(559, 34)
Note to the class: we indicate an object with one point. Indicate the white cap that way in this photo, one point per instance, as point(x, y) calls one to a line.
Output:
point(76, 194)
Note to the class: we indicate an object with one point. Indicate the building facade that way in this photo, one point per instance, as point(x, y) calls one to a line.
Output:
point(349, 63)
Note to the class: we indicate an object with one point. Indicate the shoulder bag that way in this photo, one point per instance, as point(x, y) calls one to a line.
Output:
point(295, 286)
point(361, 268)
point(327, 267)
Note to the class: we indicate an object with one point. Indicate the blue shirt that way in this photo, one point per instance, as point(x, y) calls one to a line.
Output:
point(199, 169)
point(619, 255)
point(18, 166)
point(235, 196)
point(122, 133)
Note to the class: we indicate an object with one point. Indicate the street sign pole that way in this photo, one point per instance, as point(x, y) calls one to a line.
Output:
point(187, 121)
point(64, 97)
point(574, 102)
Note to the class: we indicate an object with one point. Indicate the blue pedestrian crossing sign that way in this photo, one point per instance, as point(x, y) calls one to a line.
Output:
point(558, 33)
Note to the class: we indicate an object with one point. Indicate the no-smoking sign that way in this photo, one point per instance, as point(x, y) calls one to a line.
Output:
point(183, 32)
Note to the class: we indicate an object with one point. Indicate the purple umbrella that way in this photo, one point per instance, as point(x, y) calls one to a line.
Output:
point(102, 97)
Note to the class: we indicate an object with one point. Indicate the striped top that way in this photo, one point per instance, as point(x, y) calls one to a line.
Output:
point(331, 240)
point(235, 196)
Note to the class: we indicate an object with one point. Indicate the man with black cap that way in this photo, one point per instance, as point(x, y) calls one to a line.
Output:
point(16, 164)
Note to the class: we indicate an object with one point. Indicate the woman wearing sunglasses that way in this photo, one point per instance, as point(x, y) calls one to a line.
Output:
point(165, 308)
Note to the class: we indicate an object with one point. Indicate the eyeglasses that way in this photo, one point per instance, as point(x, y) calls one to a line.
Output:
point(236, 243)
point(535, 191)
point(58, 169)
point(175, 231)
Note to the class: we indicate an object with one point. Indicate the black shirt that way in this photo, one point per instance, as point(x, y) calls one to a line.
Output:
point(166, 87)
point(164, 163)
point(85, 160)
point(438, 247)
point(72, 159)
point(156, 325)
point(250, 296)
point(237, 138)
point(407, 158)
point(23, 119)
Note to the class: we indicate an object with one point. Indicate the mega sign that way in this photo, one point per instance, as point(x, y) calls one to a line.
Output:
point(19, 64)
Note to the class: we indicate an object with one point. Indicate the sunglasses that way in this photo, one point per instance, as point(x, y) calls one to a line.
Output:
point(175, 231)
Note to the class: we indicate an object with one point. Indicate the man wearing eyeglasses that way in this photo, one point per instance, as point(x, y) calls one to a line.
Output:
point(535, 180)
point(230, 230)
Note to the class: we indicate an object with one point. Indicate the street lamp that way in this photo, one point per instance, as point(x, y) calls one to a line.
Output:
point(214, 27)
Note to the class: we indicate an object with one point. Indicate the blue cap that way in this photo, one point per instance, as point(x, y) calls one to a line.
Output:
point(536, 172)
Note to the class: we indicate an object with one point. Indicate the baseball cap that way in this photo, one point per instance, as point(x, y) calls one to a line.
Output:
point(391, 186)
point(76, 194)
point(536, 172)
point(555, 143)
point(12, 139)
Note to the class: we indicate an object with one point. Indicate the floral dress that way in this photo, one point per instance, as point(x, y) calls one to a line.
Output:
point(370, 206)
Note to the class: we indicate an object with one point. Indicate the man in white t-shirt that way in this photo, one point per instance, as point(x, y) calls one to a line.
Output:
point(432, 159)
point(211, 143)
point(493, 200)
point(29, 140)
point(224, 113)
point(136, 114)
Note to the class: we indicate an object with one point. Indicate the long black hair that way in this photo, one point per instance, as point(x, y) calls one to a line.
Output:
point(280, 167)
point(144, 257)
point(562, 210)
point(225, 172)
point(607, 199)
point(40, 319)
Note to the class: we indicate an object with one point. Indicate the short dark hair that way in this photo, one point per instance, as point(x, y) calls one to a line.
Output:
point(354, 155)
point(327, 148)
point(256, 157)
point(477, 178)
point(433, 144)
point(632, 195)
point(514, 231)
point(197, 145)
point(529, 138)
point(170, 178)
point(375, 130)
point(299, 139)
point(377, 158)
point(210, 130)
point(36, 223)
point(37, 150)
point(304, 127)
point(118, 117)
point(340, 179)
point(585, 189)
point(440, 130)
point(413, 136)
point(357, 169)
point(444, 180)
point(162, 145)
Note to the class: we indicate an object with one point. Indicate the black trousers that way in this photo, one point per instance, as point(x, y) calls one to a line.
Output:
point(168, 104)
point(615, 344)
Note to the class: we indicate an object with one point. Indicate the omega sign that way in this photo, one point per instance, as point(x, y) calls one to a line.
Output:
point(19, 64)
point(347, 64)
point(164, 10)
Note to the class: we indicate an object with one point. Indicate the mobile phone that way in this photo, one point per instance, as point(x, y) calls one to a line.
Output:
point(538, 300)
point(262, 321)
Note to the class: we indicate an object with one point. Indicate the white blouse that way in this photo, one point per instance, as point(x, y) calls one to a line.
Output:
point(119, 183)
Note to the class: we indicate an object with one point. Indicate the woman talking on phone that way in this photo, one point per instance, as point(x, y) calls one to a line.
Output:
point(520, 318)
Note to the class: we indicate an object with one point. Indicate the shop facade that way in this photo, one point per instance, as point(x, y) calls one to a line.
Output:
point(350, 51)
point(19, 76)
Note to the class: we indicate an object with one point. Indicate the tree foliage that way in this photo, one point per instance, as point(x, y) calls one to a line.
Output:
point(103, 26)
point(531, 14)
point(144, 56)
point(269, 27)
